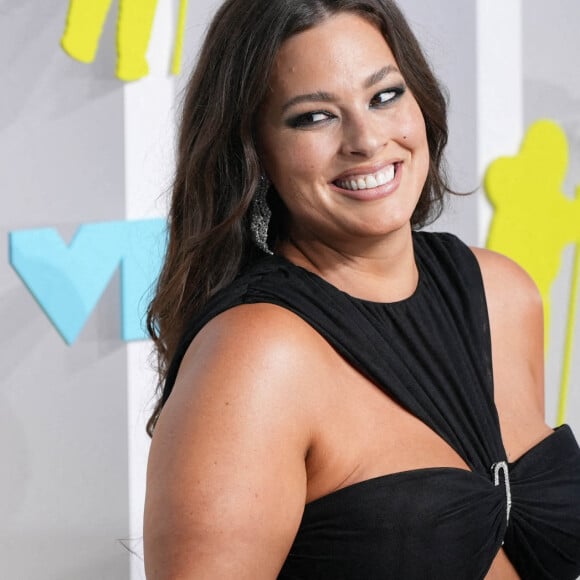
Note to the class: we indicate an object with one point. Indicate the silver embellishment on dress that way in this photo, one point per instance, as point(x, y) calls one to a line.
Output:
point(260, 215)
point(496, 468)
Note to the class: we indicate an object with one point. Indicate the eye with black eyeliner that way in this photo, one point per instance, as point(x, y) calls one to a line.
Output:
point(309, 119)
point(314, 118)
point(387, 96)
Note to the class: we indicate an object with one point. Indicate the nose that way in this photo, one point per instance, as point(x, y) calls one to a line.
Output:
point(363, 135)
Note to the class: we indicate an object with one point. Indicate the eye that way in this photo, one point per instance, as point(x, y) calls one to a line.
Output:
point(310, 119)
point(387, 96)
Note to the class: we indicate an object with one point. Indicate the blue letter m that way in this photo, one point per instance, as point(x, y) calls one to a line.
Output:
point(68, 280)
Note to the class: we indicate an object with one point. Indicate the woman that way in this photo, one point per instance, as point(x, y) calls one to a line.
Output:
point(329, 408)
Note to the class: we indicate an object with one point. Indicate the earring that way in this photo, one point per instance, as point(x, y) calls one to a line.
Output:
point(260, 215)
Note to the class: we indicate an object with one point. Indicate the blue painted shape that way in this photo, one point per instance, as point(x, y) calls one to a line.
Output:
point(144, 251)
point(68, 281)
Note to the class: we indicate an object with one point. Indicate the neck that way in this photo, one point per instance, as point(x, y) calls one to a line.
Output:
point(383, 271)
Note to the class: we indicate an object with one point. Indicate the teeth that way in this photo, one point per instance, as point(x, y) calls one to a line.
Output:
point(369, 181)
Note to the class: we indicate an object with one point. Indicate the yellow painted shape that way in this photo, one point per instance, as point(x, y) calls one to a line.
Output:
point(178, 49)
point(84, 25)
point(133, 34)
point(533, 220)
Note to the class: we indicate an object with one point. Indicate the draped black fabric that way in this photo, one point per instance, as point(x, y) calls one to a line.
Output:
point(432, 354)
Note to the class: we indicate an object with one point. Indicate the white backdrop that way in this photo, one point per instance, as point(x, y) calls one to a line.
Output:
point(79, 146)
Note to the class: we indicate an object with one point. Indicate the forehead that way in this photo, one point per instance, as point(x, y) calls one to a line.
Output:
point(342, 49)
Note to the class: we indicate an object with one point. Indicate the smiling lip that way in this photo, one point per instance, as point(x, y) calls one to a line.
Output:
point(368, 183)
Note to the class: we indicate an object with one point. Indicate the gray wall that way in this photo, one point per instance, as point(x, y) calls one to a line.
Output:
point(552, 90)
point(63, 411)
point(447, 31)
point(64, 489)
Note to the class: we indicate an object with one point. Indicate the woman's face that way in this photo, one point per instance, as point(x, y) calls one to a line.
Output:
point(340, 136)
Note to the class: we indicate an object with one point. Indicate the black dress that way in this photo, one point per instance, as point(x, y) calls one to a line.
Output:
point(432, 354)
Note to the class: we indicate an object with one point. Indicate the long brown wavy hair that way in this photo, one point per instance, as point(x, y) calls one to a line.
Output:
point(218, 168)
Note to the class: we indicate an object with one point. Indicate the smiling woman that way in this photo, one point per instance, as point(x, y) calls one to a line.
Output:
point(342, 396)
point(349, 161)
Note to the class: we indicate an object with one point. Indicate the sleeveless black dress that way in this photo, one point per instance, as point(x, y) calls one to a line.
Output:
point(432, 354)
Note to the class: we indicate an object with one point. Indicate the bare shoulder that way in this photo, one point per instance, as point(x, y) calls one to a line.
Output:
point(226, 475)
point(259, 330)
point(507, 284)
point(517, 340)
point(256, 351)
point(514, 306)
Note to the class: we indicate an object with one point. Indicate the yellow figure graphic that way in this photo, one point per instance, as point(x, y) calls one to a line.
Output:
point(534, 221)
point(85, 23)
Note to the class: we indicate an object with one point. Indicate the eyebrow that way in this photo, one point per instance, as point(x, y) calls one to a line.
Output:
point(324, 97)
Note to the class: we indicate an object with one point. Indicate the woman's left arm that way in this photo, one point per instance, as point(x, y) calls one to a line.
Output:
point(517, 338)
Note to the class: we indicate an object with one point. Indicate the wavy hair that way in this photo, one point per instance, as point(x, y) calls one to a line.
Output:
point(218, 167)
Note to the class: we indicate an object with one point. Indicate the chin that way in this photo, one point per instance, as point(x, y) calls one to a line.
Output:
point(389, 224)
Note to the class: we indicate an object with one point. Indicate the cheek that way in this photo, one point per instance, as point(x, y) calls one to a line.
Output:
point(300, 159)
point(295, 160)
point(412, 126)
point(414, 130)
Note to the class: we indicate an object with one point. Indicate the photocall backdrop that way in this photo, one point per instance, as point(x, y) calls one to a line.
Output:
point(87, 159)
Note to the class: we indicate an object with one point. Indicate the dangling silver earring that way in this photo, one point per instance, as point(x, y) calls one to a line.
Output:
point(260, 215)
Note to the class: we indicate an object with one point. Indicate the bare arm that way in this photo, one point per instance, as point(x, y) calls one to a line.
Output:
point(226, 478)
point(517, 336)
